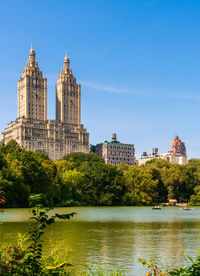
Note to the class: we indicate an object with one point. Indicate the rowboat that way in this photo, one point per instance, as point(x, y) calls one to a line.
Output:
point(157, 208)
point(187, 208)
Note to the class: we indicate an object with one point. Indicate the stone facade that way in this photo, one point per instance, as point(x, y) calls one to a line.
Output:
point(143, 160)
point(178, 147)
point(68, 96)
point(176, 155)
point(175, 158)
point(32, 91)
point(32, 130)
point(115, 152)
point(147, 157)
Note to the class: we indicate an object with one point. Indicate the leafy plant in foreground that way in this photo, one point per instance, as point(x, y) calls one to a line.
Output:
point(192, 269)
point(155, 270)
point(26, 258)
point(103, 271)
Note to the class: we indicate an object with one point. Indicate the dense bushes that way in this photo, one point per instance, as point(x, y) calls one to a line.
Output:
point(84, 179)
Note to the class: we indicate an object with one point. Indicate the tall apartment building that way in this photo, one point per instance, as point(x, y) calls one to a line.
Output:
point(115, 152)
point(32, 130)
point(176, 155)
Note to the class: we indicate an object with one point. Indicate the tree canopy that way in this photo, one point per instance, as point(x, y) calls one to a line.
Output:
point(85, 179)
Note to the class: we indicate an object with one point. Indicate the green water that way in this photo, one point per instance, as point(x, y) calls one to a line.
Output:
point(116, 235)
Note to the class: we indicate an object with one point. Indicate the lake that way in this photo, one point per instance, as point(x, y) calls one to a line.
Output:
point(116, 235)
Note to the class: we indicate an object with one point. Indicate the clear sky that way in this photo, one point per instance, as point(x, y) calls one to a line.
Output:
point(138, 63)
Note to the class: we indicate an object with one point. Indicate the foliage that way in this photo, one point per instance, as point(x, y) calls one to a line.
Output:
point(155, 269)
point(140, 185)
point(85, 179)
point(2, 199)
point(192, 269)
point(97, 270)
point(26, 258)
point(103, 184)
point(79, 158)
point(195, 198)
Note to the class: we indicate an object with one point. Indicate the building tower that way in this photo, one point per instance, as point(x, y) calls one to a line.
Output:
point(32, 130)
point(178, 147)
point(32, 91)
point(68, 96)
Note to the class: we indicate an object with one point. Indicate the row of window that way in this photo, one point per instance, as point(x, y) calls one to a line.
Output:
point(118, 162)
point(131, 148)
point(120, 159)
point(119, 152)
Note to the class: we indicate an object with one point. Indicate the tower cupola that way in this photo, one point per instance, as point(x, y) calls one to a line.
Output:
point(66, 62)
point(32, 55)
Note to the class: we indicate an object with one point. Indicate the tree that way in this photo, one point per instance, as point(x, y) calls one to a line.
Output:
point(195, 198)
point(102, 184)
point(78, 158)
point(141, 187)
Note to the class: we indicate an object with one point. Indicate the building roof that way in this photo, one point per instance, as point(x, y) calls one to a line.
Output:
point(112, 143)
point(172, 200)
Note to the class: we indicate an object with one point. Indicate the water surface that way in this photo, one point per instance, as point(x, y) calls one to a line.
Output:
point(116, 235)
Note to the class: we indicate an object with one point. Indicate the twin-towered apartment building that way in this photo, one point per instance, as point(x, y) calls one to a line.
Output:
point(32, 130)
point(64, 135)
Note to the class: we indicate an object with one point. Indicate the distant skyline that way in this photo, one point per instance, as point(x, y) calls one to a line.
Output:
point(138, 63)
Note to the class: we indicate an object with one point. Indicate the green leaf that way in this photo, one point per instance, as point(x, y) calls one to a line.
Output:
point(65, 216)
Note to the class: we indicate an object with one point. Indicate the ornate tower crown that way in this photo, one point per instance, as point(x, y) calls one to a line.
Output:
point(32, 91)
point(66, 64)
point(68, 96)
point(32, 130)
point(32, 56)
point(178, 147)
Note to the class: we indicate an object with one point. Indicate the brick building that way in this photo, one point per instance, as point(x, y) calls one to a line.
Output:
point(115, 152)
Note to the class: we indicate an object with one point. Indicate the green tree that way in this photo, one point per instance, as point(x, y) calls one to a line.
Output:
point(70, 194)
point(179, 181)
point(140, 185)
point(195, 198)
point(102, 184)
point(78, 158)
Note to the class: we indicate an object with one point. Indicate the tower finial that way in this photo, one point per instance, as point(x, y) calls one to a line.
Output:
point(66, 62)
point(32, 54)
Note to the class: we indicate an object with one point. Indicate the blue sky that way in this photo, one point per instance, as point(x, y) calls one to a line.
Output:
point(138, 63)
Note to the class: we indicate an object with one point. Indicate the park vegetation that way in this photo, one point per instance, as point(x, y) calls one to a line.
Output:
point(84, 179)
point(26, 258)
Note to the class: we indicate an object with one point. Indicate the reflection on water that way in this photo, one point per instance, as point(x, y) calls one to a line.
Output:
point(116, 235)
